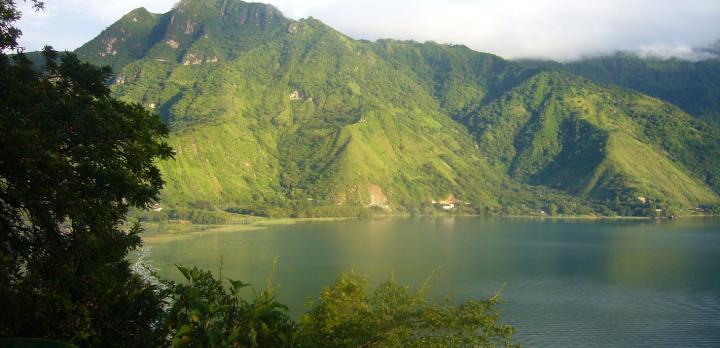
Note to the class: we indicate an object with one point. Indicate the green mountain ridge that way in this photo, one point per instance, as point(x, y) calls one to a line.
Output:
point(271, 113)
point(561, 131)
point(694, 86)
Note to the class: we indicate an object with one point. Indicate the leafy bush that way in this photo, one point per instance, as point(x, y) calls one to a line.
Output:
point(208, 314)
point(395, 316)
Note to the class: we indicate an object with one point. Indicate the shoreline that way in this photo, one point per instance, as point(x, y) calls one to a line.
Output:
point(159, 232)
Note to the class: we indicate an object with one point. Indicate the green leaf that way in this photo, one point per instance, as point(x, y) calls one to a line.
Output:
point(184, 330)
point(237, 285)
point(185, 272)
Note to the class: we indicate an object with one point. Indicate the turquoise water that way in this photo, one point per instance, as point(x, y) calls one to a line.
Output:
point(566, 283)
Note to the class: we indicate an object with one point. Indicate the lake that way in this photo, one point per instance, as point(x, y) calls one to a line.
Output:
point(569, 283)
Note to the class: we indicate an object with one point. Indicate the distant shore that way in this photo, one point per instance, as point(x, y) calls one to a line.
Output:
point(158, 232)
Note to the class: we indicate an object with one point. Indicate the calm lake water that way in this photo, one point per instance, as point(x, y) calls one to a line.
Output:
point(566, 283)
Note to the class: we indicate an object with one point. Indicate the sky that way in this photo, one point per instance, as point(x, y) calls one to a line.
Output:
point(552, 29)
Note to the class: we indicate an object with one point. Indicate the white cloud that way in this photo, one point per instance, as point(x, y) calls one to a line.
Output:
point(303, 8)
point(558, 29)
point(674, 51)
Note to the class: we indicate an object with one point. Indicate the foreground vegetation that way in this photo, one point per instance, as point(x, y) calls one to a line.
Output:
point(206, 312)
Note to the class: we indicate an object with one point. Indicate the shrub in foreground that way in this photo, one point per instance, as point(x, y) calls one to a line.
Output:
point(208, 313)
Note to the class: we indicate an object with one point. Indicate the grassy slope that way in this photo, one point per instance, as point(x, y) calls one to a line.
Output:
point(693, 86)
point(567, 132)
point(356, 123)
point(271, 112)
point(649, 173)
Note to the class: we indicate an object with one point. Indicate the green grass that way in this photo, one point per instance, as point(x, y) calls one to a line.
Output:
point(650, 174)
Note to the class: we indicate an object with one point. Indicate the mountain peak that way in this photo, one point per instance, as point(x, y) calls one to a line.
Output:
point(214, 28)
point(225, 15)
point(224, 8)
point(140, 11)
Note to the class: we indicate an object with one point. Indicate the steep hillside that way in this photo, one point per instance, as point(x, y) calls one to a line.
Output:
point(612, 144)
point(459, 78)
point(124, 41)
point(309, 116)
point(693, 86)
point(281, 116)
point(194, 31)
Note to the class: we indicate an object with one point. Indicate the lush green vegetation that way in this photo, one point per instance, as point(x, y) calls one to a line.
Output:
point(614, 145)
point(74, 161)
point(291, 118)
point(207, 312)
point(395, 316)
point(691, 85)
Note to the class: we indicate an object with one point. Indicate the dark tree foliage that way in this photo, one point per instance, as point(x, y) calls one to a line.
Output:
point(73, 161)
point(8, 15)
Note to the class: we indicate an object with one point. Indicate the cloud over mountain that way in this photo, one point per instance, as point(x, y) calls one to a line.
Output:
point(556, 29)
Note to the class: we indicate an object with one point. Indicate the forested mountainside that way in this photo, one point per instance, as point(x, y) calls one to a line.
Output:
point(286, 117)
point(694, 86)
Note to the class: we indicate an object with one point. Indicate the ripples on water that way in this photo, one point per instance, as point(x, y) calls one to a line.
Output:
point(585, 314)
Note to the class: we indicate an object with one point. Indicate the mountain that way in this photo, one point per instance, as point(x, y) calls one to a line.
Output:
point(566, 132)
point(694, 86)
point(292, 117)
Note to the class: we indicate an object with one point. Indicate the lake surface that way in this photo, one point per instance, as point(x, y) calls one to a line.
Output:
point(566, 283)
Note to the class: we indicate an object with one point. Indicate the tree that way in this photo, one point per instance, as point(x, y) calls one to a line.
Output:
point(394, 316)
point(73, 161)
point(8, 15)
point(552, 209)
